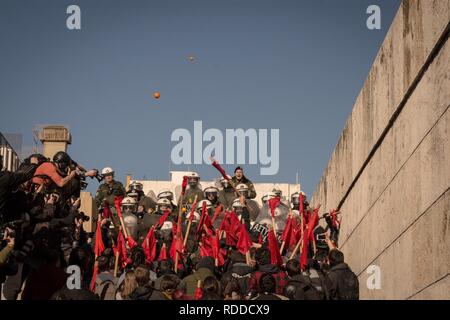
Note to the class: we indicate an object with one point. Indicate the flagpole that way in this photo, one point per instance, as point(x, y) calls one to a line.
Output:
point(190, 222)
point(289, 215)
point(180, 210)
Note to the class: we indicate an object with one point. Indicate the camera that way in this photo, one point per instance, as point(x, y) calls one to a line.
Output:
point(12, 225)
point(321, 237)
point(7, 233)
point(98, 176)
point(83, 183)
point(81, 216)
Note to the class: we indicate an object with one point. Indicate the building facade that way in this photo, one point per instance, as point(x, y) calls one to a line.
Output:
point(10, 157)
point(153, 187)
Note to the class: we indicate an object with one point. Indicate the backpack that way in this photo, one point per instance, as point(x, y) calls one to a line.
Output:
point(307, 288)
point(106, 290)
point(347, 285)
point(315, 288)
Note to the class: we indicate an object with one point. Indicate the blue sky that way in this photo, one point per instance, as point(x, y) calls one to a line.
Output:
point(297, 66)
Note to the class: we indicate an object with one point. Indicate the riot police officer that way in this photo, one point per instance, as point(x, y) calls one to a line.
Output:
point(194, 189)
point(108, 190)
point(241, 212)
point(150, 219)
point(251, 205)
point(211, 194)
point(130, 220)
point(226, 194)
point(167, 194)
point(145, 203)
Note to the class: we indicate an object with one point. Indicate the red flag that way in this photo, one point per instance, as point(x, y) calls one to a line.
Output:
point(204, 220)
point(308, 235)
point(117, 204)
point(304, 253)
point(287, 232)
point(295, 234)
point(106, 210)
point(177, 242)
point(312, 223)
point(275, 256)
point(149, 246)
point(131, 242)
point(301, 199)
point(198, 294)
point(121, 247)
point(94, 278)
point(244, 243)
point(184, 185)
point(260, 239)
point(206, 248)
point(218, 210)
point(231, 225)
point(225, 224)
point(218, 253)
point(334, 220)
point(220, 169)
point(99, 247)
point(163, 253)
point(162, 219)
point(273, 204)
point(192, 212)
point(235, 228)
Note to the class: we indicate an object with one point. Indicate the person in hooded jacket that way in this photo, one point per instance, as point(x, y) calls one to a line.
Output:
point(264, 266)
point(204, 268)
point(307, 286)
point(344, 283)
point(266, 288)
point(240, 271)
point(144, 290)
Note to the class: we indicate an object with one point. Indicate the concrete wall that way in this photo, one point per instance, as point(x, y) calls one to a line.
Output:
point(390, 171)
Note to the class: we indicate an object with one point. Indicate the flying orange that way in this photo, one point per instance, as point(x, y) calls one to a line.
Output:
point(156, 95)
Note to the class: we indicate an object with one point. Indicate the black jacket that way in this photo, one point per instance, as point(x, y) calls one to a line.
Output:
point(242, 273)
point(344, 283)
point(302, 287)
point(9, 181)
point(142, 293)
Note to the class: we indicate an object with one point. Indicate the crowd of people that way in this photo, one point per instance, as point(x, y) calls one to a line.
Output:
point(215, 242)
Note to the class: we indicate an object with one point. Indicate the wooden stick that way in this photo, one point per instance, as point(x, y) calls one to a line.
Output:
point(274, 227)
point(180, 211)
point(116, 263)
point(301, 238)
point(122, 223)
point(282, 247)
point(247, 257)
point(189, 225)
point(297, 246)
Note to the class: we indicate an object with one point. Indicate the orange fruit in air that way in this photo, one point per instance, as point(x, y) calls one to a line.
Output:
point(156, 95)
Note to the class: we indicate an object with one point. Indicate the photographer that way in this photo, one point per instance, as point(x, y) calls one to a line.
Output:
point(9, 181)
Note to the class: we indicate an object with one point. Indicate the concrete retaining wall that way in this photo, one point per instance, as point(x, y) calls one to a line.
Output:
point(390, 171)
